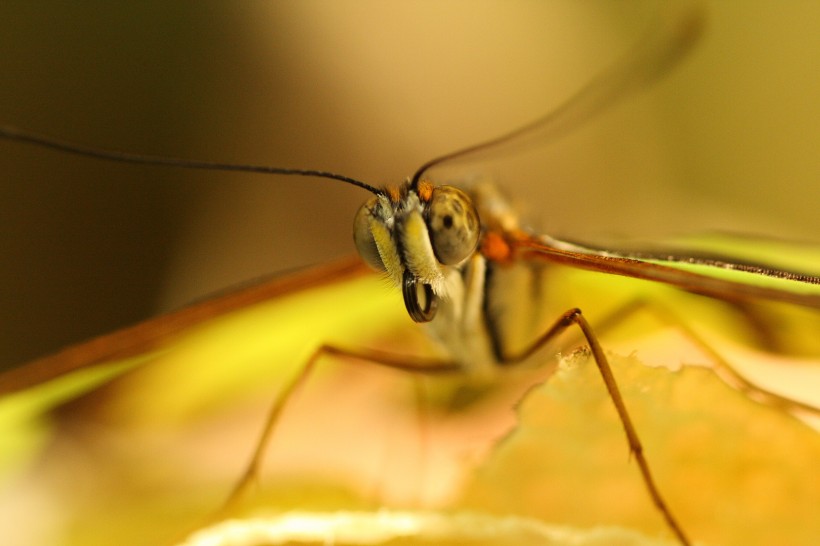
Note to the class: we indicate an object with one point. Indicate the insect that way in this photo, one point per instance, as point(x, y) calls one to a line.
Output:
point(418, 305)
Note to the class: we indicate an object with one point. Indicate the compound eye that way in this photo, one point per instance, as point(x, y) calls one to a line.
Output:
point(363, 236)
point(452, 221)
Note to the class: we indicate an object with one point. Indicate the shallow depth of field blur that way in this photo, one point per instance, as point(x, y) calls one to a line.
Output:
point(369, 89)
point(372, 89)
point(149, 456)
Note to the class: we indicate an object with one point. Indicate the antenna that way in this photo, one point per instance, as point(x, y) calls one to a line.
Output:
point(663, 45)
point(17, 135)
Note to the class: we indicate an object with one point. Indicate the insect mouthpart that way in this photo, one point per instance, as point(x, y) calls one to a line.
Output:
point(420, 309)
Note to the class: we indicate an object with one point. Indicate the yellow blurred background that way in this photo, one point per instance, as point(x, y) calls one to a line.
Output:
point(370, 89)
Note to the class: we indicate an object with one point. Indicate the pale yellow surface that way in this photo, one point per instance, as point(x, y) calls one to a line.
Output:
point(148, 457)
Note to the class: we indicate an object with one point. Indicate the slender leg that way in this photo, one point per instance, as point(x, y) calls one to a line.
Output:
point(574, 317)
point(397, 362)
point(722, 368)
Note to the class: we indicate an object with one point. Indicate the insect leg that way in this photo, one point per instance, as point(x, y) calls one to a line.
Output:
point(722, 368)
point(574, 317)
point(397, 362)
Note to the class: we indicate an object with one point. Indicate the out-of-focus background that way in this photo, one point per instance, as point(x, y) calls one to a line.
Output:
point(370, 89)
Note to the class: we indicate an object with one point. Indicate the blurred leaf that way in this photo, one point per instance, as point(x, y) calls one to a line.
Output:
point(406, 528)
point(734, 471)
point(147, 456)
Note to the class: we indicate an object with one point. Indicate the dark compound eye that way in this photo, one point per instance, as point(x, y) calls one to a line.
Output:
point(452, 221)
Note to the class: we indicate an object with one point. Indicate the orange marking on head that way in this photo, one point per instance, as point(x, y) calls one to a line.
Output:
point(394, 193)
point(495, 248)
point(425, 190)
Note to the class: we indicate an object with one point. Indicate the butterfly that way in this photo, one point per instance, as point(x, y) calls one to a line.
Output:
point(625, 262)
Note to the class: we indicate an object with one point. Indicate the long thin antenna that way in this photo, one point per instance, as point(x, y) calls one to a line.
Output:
point(667, 41)
point(17, 135)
